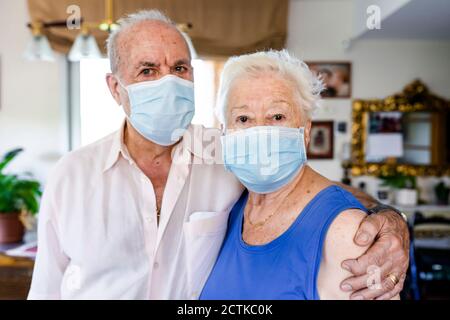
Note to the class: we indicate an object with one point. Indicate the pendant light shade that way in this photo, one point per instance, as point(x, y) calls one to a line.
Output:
point(39, 49)
point(84, 47)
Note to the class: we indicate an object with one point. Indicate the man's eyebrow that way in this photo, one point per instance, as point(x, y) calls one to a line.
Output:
point(147, 64)
point(182, 61)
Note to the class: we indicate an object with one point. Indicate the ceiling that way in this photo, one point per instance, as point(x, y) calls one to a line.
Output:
point(417, 19)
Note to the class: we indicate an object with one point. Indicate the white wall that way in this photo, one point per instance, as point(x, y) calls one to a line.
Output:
point(31, 107)
point(317, 29)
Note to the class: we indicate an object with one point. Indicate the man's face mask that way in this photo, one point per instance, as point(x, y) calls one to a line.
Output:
point(161, 110)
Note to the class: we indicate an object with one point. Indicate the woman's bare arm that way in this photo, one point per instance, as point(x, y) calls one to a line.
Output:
point(338, 247)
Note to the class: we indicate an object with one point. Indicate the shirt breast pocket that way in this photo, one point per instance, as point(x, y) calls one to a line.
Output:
point(203, 235)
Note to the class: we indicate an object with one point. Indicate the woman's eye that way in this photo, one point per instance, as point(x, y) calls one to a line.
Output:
point(278, 117)
point(146, 72)
point(242, 119)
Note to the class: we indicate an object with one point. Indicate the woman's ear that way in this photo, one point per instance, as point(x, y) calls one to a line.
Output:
point(307, 133)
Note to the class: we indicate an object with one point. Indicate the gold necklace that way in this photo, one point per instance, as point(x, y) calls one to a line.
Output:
point(261, 223)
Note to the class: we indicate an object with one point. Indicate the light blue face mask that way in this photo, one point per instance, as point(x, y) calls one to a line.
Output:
point(264, 158)
point(161, 110)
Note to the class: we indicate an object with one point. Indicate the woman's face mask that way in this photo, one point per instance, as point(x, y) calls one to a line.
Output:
point(264, 141)
point(264, 158)
point(161, 110)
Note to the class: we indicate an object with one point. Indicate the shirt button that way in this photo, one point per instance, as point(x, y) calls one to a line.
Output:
point(194, 295)
point(156, 265)
point(149, 219)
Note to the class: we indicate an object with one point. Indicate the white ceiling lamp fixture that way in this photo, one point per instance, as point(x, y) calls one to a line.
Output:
point(38, 48)
point(84, 47)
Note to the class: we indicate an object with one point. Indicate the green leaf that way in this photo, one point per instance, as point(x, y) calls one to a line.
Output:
point(399, 181)
point(16, 193)
point(9, 157)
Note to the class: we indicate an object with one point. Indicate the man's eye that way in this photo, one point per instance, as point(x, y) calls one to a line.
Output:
point(180, 69)
point(278, 117)
point(147, 72)
point(242, 119)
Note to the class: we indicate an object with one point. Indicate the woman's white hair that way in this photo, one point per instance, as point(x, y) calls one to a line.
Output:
point(307, 86)
point(133, 19)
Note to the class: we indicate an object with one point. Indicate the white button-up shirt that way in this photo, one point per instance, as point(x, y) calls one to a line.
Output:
point(98, 236)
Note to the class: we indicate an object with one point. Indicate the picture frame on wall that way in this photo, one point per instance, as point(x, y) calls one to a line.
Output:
point(337, 77)
point(321, 145)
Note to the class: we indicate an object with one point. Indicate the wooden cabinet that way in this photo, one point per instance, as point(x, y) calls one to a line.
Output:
point(15, 277)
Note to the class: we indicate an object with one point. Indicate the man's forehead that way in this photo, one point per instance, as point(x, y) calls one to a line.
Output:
point(155, 44)
point(151, 33)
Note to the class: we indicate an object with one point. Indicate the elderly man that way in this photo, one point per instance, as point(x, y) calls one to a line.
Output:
point(142, 213)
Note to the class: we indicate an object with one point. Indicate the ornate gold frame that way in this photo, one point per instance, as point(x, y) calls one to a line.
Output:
point(415, 97)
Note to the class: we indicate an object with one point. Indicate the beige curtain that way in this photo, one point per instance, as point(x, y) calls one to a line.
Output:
point(220, 27)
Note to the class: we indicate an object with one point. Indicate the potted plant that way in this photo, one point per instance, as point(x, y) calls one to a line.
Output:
point(442, 193)
point(18, 196)
point(405, 188)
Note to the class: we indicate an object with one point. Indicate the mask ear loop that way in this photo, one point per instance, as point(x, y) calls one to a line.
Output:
point(121, 83)
point(126, 89)
point(303, 142)
point(223, 129)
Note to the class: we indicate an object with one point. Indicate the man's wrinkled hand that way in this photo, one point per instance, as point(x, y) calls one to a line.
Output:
point(386, 259)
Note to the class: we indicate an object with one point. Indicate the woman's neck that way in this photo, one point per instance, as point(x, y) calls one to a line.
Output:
point(258, 199)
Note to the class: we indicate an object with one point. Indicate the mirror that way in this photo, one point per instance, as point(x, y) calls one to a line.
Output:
point(405, 133)
point(416, 138)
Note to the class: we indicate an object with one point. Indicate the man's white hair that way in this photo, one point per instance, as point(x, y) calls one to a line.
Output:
point(307, 87)
point(131, 20)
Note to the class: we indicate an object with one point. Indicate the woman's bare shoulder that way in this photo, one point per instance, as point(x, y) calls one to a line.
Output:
point(339, 246)
point(342, 232)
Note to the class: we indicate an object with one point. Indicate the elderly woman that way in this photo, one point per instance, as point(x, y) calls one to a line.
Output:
point(289, 233)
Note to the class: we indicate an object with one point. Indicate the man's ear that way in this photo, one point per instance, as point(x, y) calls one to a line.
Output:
point(113, 86)
point(307, 133)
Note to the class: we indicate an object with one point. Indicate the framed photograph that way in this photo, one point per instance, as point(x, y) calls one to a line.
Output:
point(321, 145)
point(337, 77)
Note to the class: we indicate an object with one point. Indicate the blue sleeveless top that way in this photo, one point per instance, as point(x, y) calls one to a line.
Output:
point(283, 269)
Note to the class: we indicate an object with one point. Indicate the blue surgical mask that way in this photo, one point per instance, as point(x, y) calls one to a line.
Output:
point(161, 110)
point(264, 158)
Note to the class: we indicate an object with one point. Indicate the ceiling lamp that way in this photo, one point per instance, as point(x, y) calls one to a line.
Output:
point(84, 47)
point(38, 48)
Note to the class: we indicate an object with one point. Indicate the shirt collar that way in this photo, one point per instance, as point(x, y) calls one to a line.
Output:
point(118, 148)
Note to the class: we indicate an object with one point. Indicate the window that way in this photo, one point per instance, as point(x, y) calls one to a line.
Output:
point(100, 114)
